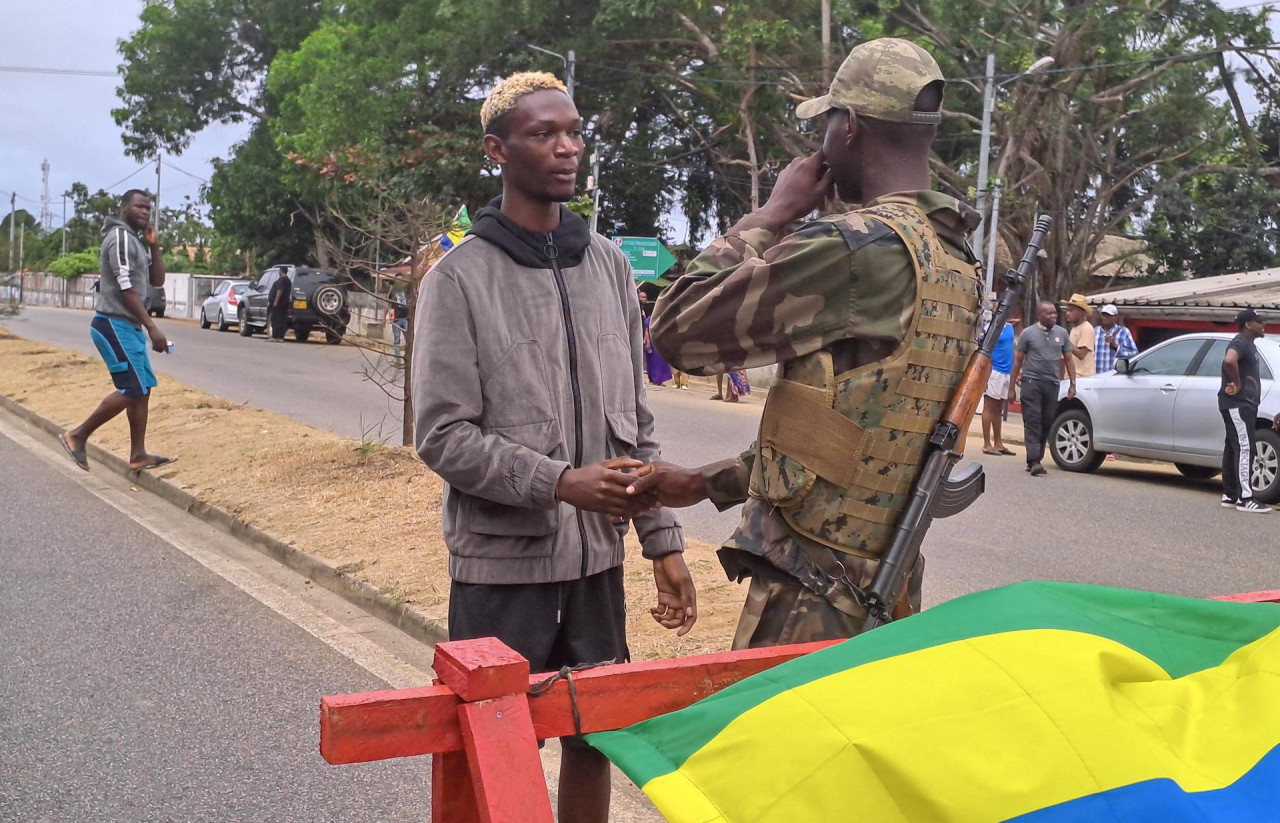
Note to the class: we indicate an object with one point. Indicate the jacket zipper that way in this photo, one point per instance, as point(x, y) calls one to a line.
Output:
point(552, 254)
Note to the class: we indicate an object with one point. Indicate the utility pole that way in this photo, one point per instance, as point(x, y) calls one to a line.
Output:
point(159, 157)
point(570, 67)
point(22, 245)
point(64, 224)
point(995, 233)
point(46, 216)
point(13, 216)
point(593, 186)
point(984, 151)
point(826, 42)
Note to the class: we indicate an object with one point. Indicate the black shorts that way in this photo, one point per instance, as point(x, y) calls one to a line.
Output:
point(573, 623)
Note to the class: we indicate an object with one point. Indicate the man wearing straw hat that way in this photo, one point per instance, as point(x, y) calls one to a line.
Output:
point(1083, 338)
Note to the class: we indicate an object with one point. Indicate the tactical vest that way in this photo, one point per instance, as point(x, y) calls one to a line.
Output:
point(838, 453)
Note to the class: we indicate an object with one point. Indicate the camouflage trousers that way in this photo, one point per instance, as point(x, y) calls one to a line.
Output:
point(780, 611)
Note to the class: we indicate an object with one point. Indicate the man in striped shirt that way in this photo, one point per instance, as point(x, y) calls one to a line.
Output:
point(1113, 340)
point(122, 330)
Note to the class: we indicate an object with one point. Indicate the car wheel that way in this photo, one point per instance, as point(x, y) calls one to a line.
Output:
point(301, 333)
point(159, 312)
point(223, 325)
point(1265, 476)
point(1196, 472)
point(1071, 442)
point(328, 300)
point(204, 321)
point(334, 336)
point(245, 329)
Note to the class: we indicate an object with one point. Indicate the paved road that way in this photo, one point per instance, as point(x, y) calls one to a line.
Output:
point(324, 386)
point(1130, 524)
point(138, 686)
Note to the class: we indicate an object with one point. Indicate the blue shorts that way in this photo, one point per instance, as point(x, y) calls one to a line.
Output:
point(123, 347)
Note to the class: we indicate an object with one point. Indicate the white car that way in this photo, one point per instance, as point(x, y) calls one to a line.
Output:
point(220, 307)
point(1163, 405)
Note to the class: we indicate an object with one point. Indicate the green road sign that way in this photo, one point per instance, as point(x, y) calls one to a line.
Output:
point(647, 256)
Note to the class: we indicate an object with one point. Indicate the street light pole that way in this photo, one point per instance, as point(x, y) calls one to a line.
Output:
point(569, 65)
point(988, 103)
point(984, 153)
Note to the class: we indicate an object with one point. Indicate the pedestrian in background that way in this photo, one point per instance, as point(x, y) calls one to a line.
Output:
point(1043, 351)
point(1083, 339)
point(130, 258)
point(278, 305)
point(1113, 342)
point(738, 385)
point(654, 366)
point(996, 397)
point(1238, 401)
point(398, 319)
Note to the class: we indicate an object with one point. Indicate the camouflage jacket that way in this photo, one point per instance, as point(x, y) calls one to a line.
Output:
point(843, 283)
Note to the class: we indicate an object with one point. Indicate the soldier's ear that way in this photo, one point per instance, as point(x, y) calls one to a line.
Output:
point(851, 126)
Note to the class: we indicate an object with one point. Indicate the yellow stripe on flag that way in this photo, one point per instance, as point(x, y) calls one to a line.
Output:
point(983, 729)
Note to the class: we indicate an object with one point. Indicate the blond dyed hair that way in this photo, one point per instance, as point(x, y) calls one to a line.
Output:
point(507, 93)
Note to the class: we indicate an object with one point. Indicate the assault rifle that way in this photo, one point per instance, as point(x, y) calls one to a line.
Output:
point(937, 493)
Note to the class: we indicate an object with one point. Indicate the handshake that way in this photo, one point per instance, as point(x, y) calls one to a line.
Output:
point(624, 488)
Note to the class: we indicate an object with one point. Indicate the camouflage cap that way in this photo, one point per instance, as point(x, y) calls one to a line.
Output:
point(880, 79)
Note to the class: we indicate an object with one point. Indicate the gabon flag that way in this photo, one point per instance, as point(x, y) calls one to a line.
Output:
point(1037, 703)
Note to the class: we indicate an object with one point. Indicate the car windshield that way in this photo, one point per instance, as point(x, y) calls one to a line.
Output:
point(240, 288)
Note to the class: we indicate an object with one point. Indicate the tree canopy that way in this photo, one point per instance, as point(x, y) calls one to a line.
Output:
point(690, 107)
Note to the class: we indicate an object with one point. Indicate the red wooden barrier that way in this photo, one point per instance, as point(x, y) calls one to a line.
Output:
point(482, 723)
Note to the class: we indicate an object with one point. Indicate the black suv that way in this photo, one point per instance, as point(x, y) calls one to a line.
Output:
point(320, 299)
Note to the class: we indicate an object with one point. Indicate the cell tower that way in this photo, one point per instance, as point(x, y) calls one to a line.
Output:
point(46, 216)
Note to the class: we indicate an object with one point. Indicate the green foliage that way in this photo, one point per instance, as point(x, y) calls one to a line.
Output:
point(1215, 224)
point(75, 264)
point(690, 104)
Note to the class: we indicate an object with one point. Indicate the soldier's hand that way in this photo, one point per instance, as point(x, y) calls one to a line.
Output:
point(802, 187)
point(677, 596)
point(674, 486)
point(602, 487)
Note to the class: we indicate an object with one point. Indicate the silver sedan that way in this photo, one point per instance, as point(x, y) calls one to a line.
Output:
point(220, 307)
point(1163, 405)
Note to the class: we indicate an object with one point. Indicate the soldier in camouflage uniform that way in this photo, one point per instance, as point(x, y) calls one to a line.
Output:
point(871, 315)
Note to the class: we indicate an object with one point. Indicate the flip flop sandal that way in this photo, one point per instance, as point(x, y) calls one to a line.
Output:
point(992, 451)
point(77, 455)
point(1006, 451)
point(159, 461)
point(716, 397)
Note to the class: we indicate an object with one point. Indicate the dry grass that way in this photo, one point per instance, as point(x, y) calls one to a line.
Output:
point(372, 510)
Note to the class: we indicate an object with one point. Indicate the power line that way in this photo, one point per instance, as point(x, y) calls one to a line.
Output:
point(187, 173)
point(65, 72)
point(136, 172)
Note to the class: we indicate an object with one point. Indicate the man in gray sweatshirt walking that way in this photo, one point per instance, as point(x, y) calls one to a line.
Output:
point(121, 329)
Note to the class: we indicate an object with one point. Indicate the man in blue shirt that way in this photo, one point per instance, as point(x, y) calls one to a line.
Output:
point(997, 393)
point(1114, 342)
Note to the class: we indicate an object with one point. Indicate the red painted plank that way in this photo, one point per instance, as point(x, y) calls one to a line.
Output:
point(481, 669)
point(1272, 596)
point(503, 755)
point(368, 726)
point(453, 797)
point(359, 728)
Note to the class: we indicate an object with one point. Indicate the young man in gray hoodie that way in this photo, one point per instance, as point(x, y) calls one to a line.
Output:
point(528, 385)
point(121, 329)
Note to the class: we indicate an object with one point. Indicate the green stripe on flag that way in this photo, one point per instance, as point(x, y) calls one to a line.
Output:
point(1182, 635)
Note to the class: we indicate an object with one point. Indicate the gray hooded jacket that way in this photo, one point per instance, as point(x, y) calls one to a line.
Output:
point(124, 263)
point(527, 360)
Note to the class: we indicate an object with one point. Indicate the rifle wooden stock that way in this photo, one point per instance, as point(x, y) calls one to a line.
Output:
point(969, 391)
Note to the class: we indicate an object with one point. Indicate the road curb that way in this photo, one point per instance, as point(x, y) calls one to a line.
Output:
point(373, 600)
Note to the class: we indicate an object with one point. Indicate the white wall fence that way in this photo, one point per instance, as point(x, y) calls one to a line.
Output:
point(184, 294)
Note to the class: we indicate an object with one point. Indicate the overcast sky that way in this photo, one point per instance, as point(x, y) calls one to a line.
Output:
point(67, 119)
